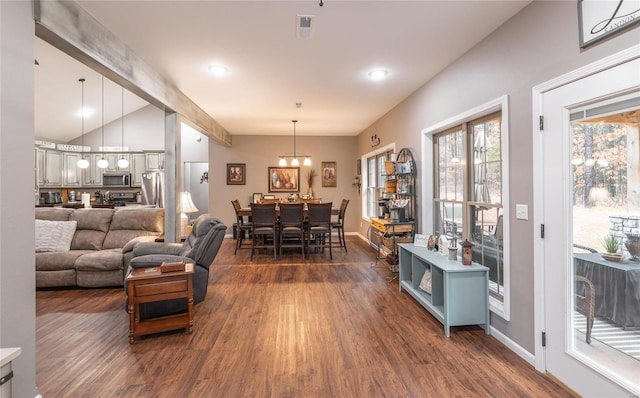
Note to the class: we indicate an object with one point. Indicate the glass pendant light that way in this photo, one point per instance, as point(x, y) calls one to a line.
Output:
point(82, 163)
point(294, 161)
point(122, 162)
point(103, 163)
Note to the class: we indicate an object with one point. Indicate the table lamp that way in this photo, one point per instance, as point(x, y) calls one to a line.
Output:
point(185, 206)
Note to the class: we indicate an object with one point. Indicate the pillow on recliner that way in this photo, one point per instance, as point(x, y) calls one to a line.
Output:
point(54, 236)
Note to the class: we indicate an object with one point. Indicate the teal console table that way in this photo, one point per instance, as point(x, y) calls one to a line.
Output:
point(459, 293)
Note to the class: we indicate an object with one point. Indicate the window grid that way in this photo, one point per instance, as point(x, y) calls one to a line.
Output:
point(472, 153)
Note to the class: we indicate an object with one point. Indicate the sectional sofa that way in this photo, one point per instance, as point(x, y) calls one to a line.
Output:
point(90, 247)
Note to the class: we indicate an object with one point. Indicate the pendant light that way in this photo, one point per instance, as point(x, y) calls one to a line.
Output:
point(103, 163)
point(294, 161)
point(82, 163)
point(122, 162)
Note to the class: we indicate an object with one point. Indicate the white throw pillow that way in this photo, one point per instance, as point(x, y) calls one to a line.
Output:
point(54, 236)
point(425, 283)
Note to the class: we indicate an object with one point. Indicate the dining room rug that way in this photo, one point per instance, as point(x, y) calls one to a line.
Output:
point(626, 341)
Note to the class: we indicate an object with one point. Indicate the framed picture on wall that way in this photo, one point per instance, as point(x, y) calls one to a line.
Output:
point(284, 179)
point(236, 173)
point(329, 174)
point(598, 20)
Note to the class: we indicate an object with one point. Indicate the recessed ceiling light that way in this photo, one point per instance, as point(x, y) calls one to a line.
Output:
point(378, 74)
point(86, 112)
point(218, 69)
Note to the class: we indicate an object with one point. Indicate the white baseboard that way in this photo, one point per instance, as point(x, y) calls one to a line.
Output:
point(513, 346)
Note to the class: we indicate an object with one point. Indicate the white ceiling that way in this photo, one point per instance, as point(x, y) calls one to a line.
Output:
point(270, 68)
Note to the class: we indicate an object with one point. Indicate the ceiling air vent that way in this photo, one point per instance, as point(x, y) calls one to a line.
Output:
point(304, 25)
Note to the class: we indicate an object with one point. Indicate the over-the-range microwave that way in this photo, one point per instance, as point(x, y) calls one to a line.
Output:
point(116, 180)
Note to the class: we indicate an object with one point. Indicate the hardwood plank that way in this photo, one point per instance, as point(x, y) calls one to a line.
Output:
point(284, 328)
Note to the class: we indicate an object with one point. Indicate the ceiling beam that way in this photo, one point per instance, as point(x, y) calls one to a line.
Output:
point(68, 27)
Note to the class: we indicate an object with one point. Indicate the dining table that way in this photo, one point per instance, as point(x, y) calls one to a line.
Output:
point(616, 284)
point(246, 211)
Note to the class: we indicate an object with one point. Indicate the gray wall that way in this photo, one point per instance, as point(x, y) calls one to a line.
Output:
point(17, 176)
point(260, 152)
point(536, 45)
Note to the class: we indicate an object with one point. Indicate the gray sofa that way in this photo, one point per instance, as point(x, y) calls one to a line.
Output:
point(101, 247)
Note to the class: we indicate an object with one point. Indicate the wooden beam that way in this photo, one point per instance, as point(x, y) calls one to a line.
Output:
point(68, 27)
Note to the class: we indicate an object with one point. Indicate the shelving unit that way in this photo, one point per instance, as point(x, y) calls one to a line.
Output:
point(401, 174)
point(459, 293)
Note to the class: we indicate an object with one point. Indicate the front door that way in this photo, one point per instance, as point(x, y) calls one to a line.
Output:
point(591, 369)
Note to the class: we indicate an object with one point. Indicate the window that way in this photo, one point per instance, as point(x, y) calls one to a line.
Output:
point(376, 179)
point(469, 192)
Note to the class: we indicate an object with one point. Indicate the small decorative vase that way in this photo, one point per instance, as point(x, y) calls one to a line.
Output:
point(310, 192)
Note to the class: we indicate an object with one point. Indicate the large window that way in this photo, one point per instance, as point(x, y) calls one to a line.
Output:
point(375, 183)
point(469, 193)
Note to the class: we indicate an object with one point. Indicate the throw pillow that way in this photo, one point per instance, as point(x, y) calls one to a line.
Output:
point(425, 283)
point(54, 236)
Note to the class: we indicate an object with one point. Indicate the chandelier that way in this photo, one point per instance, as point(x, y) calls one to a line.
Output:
point(294, 156)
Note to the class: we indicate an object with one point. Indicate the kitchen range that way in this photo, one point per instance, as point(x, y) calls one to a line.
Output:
point(121, 198)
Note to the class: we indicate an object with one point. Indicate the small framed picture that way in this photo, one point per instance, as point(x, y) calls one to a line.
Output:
point(329, 174)
point(257, 197)
point(268, 197)
point(236, 173)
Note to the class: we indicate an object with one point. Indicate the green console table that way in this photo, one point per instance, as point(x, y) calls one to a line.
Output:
point(459, 293)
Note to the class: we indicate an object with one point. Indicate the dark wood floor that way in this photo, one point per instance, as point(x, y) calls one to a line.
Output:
point(277, 329)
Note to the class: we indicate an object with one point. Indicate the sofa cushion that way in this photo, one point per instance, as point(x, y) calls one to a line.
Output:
point(103, 260)
point(54, 236)
point(56, 261)
point(128, 224)
point(93, 225)
point(53, 213)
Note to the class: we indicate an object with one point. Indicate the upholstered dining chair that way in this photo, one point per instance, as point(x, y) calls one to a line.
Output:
point(243, 226)
point(339, 224)
point(263, 227)
point(292, 226)
point(320, 224)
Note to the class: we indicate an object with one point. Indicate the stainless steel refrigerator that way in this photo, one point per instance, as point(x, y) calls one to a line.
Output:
point(153, 189)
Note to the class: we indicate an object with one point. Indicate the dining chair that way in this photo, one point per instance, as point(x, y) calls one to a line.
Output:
point(292, 226)
point(243, 227)
point(320, 224)
point(263, 227)
point(585, 303)
point(339, 224)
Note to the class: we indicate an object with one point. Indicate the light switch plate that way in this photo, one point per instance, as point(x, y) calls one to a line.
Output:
point(522, 212)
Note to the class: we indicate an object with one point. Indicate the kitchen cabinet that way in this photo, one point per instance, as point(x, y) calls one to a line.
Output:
point(71, 173)
point(92, 175)
point(49, 167)
point(138, 166)
point(155, 161)
point(113, 158)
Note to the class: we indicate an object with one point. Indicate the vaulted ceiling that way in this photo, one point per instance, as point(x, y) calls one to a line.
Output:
point(271, 68)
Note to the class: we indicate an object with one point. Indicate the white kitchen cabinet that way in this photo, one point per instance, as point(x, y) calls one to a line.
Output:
point(113, 158)
point(92, 175)
point(155, 161)
point(138, 166)
point(71, 173)
point(49, 164)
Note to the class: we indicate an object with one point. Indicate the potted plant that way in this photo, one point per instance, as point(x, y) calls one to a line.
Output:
point(611, 244)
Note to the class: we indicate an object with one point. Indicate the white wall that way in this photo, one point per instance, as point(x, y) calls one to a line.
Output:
point(536, 45)
point(143, 131)
point(17, 176)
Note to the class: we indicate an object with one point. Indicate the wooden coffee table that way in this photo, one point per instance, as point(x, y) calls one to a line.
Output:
point(149, 285)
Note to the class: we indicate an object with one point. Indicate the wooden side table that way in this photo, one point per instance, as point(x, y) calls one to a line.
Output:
point(149, 285)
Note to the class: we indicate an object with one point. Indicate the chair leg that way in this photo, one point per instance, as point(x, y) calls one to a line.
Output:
point(330, 244)
point(344, 241)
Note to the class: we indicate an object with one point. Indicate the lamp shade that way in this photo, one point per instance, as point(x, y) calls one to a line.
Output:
point(186, 204)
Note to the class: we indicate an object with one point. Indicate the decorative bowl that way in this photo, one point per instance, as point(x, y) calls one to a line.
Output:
point(615, 257)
